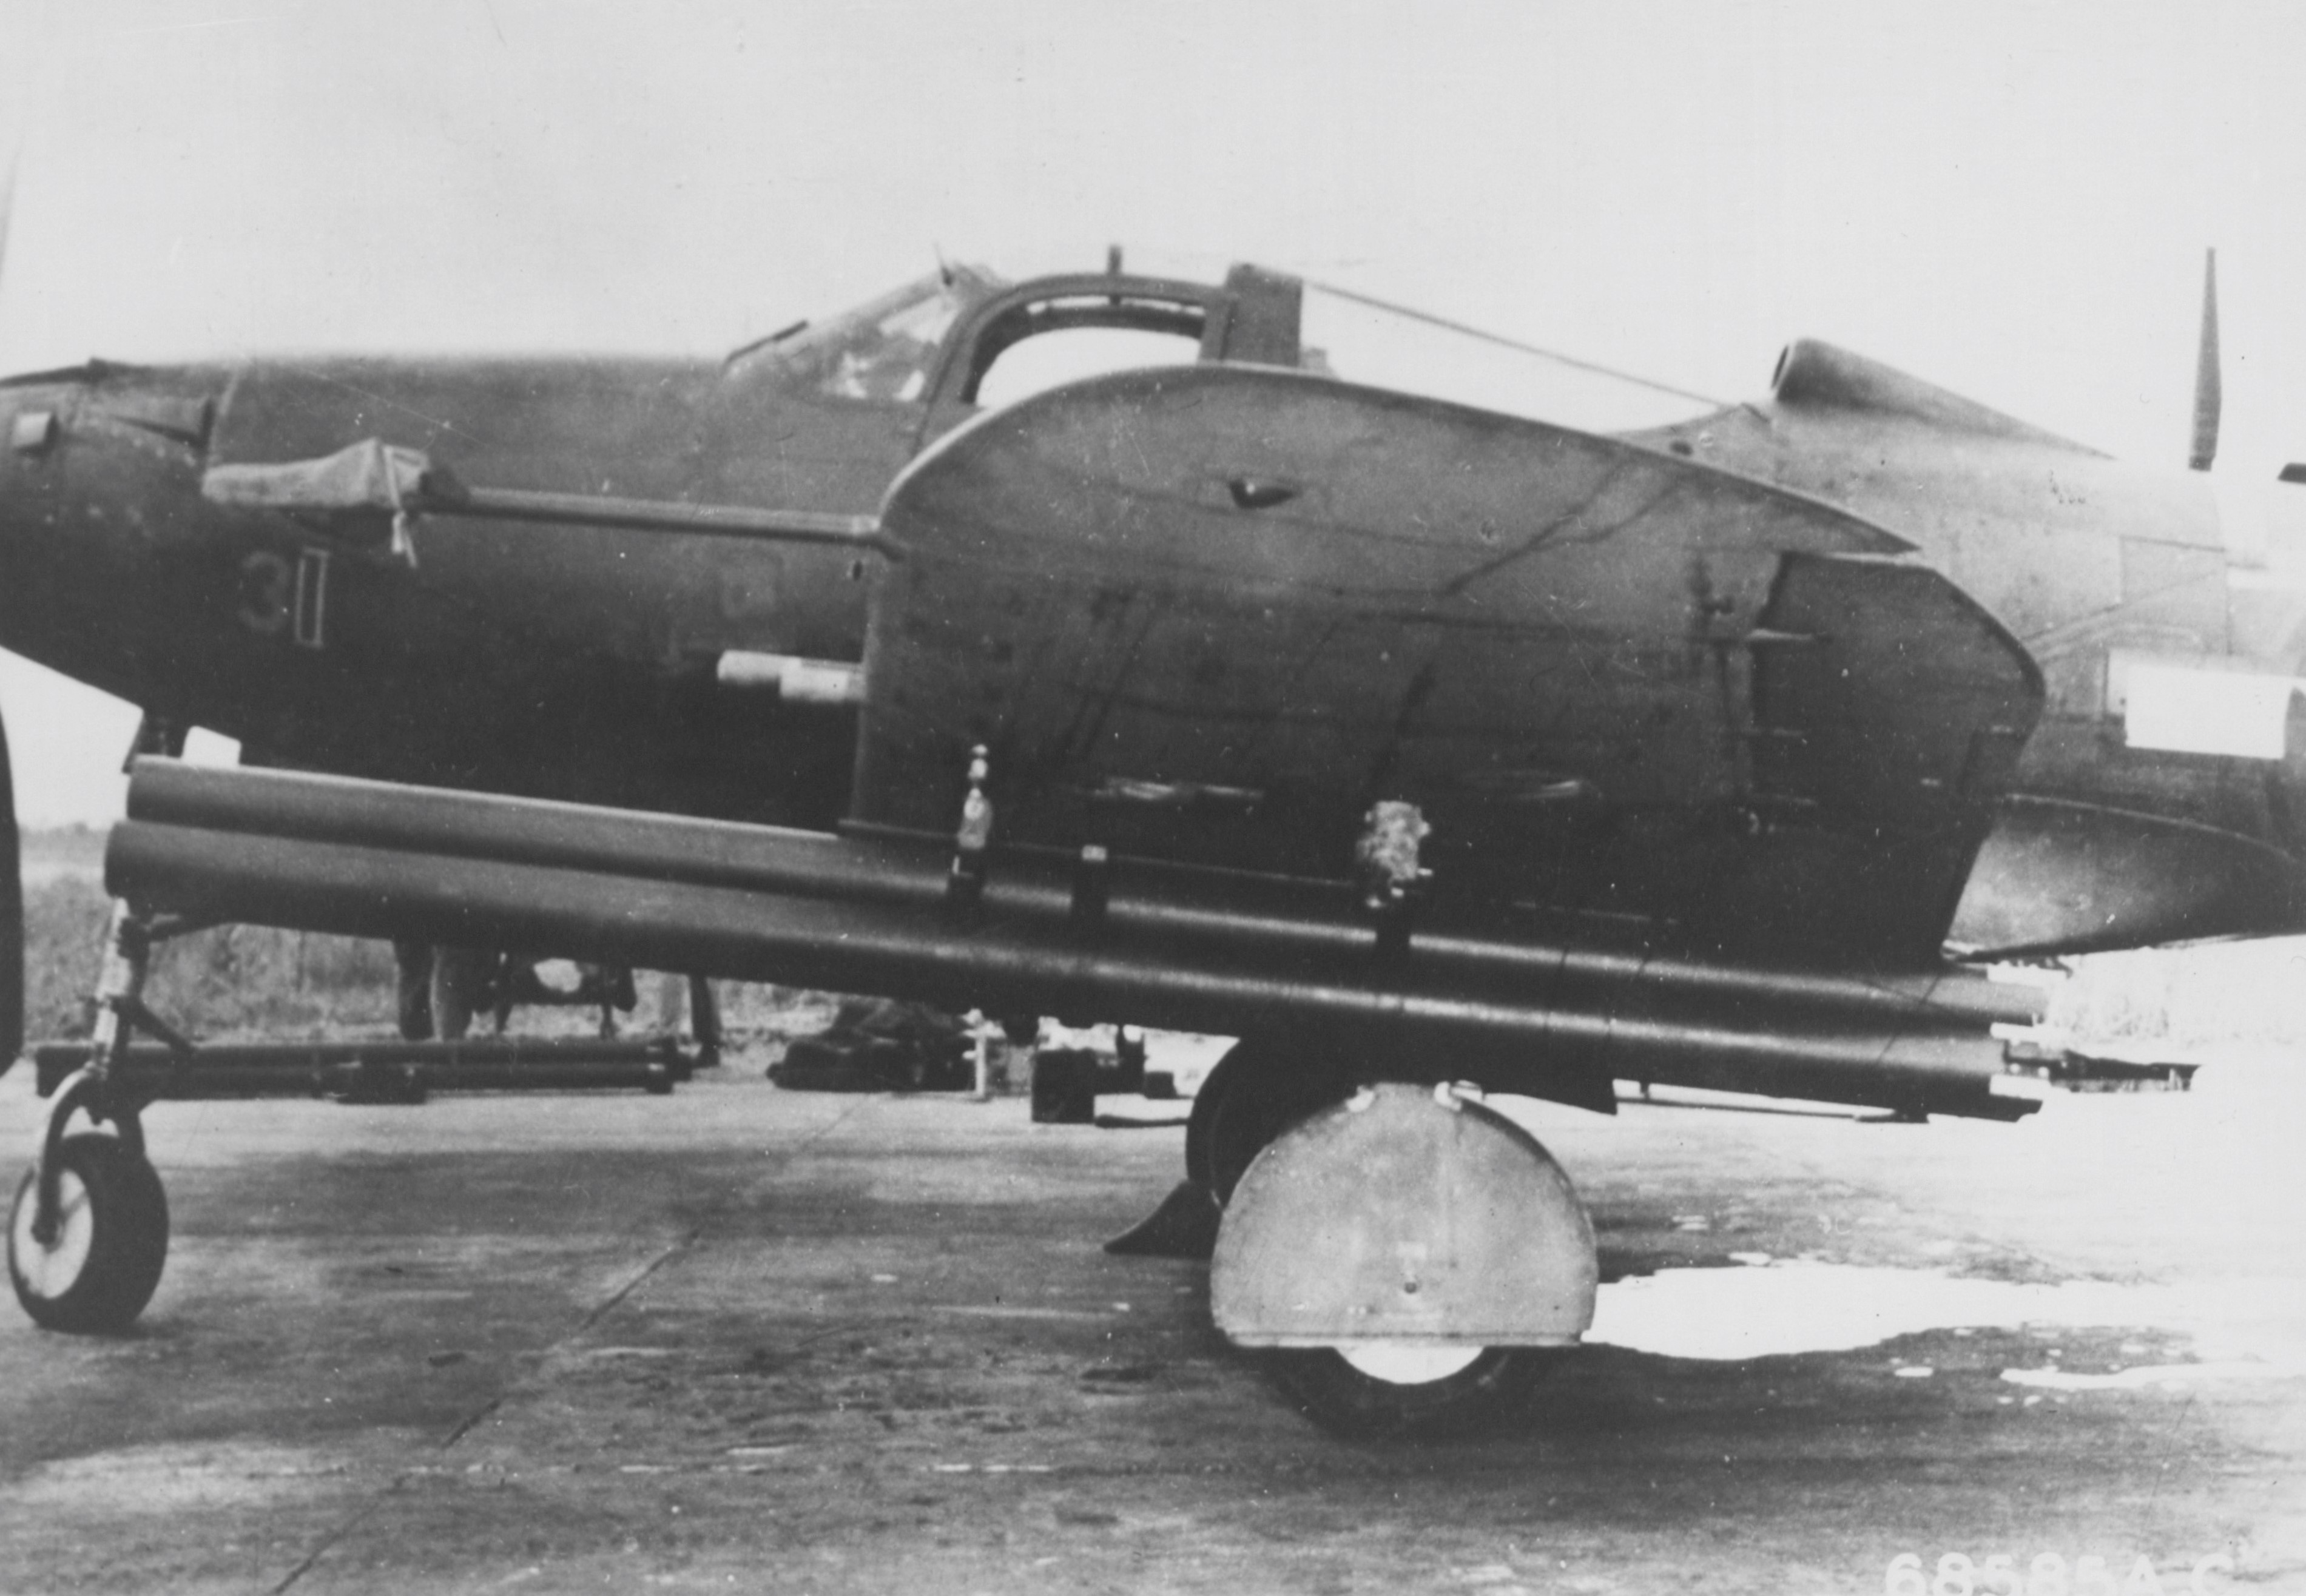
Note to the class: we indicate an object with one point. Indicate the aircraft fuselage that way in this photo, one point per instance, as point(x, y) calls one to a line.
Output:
point(2145, 595)
point(572, 662)
point(585, 663)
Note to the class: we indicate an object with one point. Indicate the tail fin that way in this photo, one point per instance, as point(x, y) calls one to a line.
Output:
point(2208, 395)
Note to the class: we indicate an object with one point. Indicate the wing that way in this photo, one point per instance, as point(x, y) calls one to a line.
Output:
point(1616, 683)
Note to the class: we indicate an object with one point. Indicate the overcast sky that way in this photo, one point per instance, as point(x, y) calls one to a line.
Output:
point(2011, 200)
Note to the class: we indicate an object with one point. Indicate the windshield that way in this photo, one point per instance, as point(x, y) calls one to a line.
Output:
point(881, 351)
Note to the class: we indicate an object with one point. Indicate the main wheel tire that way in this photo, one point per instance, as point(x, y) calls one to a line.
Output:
point(106, 1258)
point(465, 983)
point(1381, 1395)
point(413, 970)
point(1257, 1090)
point(705, 1021)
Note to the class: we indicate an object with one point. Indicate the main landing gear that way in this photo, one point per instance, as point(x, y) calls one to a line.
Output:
point(443, 990)
point(89, 1233)
point(1405, 1259)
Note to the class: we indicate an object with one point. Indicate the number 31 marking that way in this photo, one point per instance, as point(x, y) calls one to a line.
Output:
point(273, 593)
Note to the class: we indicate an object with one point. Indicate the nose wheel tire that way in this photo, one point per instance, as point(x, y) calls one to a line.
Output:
point(103, 1264)
point(1384, 1393)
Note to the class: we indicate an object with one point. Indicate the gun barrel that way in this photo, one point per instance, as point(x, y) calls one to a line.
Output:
point(1197, 950)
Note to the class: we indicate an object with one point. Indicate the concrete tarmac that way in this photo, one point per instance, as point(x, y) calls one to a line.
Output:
point(750, 1340)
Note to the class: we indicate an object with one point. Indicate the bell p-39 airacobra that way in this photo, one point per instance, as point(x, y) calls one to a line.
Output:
point(1432, 751)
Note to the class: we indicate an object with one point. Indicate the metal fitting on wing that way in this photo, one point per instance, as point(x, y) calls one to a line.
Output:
point(1385, 855)
point(1092, 888)
point(974, 838)
point(1386, 859)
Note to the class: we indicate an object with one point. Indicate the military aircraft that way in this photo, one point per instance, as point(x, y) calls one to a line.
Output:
point(175, 540)
point(1432, 750)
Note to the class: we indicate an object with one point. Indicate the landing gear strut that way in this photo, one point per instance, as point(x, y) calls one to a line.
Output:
point(89, 1235)
point(442, 990)
point(1259, 1090)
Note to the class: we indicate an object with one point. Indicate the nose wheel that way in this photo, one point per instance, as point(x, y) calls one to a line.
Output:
point(88, 1235)
point(92, 1269)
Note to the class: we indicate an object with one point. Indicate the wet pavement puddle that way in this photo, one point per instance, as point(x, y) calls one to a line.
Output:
point(2241, 1328)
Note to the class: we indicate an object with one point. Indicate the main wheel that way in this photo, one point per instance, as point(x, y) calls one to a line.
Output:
point(464, 985)
point(705, 1021)
point(413, 970)
point(1369, 1231)
point(1257, 1090)
point(105, 1262)
point(1403, 1393)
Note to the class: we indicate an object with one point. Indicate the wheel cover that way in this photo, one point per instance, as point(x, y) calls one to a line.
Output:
point(1409, 1363)
point(1405, 1216)
point(49, 1272)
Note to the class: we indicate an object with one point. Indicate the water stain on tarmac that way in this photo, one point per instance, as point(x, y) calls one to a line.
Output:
point(2241, 1328)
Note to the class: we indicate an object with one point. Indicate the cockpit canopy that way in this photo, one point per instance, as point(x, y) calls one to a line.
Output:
point(882, 351)
point(961, 338)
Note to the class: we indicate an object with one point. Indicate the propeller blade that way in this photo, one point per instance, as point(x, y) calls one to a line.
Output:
point(7, 206)
point(7, 209)
point(12, 866)
point(12, 920)
point(2207, 395)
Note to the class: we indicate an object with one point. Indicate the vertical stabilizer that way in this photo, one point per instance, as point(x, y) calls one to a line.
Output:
point(2207, 397)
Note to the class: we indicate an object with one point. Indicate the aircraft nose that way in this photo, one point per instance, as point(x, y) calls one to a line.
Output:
point(31, 425)
point(113, 567)
point(96, 463)
point(93, 446)
point(31, 430)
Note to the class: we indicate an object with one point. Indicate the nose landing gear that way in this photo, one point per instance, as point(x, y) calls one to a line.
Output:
point(89, 1235)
